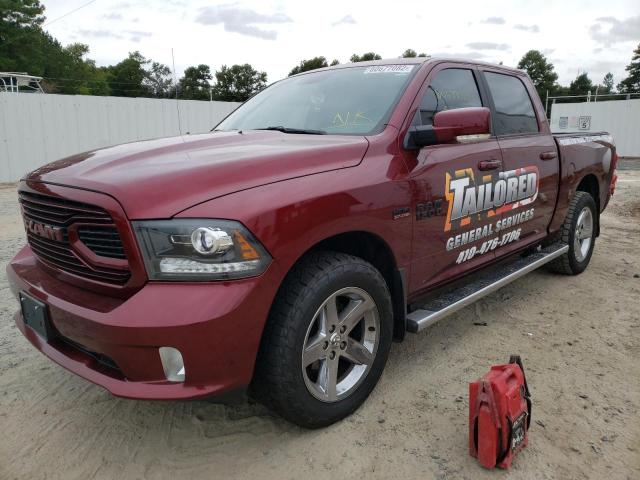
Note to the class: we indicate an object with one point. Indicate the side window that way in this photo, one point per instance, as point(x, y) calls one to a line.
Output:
point(449, 89)
point(514, 110)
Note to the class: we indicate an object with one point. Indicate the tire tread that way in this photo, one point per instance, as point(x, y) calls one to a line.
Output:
point(562, 264)
point(274, 383)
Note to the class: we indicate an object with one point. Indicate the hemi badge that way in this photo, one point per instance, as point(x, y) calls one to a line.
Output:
point(401, 213)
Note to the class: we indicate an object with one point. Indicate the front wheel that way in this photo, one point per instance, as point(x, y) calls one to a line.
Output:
point(579, 232)
point(326, 341)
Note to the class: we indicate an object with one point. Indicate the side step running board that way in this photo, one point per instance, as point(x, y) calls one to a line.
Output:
point(447, 304)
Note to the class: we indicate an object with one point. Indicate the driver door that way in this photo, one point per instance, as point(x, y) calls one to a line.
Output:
point(453, 231)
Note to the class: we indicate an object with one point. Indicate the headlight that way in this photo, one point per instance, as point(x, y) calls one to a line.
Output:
point(199, 249)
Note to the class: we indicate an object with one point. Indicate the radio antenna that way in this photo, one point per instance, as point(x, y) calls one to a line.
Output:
point(175, 83)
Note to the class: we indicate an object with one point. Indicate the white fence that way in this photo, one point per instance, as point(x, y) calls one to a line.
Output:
point(36, 129)
point(621, 118)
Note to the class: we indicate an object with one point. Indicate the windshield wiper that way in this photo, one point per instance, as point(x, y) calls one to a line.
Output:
point(282, 129)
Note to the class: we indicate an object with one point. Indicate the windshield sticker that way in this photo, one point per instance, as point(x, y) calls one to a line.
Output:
point(349, 119)
point(389, 69)
point(472, 199)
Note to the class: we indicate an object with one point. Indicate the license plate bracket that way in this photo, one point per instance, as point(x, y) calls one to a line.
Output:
point(36, 316)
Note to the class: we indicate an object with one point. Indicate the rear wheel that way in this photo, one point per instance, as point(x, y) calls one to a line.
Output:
point(326, 341)
point(579, 232)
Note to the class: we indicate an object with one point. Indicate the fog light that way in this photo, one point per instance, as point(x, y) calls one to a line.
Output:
point(172, 364)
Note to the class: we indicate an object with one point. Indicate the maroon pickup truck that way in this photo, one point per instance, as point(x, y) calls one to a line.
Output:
point(282, 253)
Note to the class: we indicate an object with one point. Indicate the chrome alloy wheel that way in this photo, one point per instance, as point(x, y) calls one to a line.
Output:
point(583, 235)
point(340, 344)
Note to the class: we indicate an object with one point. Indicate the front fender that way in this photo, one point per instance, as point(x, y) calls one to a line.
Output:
point(291, 217)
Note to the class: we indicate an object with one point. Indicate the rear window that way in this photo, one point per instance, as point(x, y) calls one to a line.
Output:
point(514, 111)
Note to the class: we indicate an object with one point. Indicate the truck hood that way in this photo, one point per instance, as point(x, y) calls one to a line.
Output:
point(159, 178)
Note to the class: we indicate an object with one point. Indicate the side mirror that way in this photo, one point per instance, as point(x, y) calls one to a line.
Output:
point(449, 124)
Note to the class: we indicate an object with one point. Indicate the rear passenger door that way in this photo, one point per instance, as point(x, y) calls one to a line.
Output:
point(529, 157)
point(452, 231)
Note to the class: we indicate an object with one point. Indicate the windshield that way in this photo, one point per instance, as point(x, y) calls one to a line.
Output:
point(355, 100)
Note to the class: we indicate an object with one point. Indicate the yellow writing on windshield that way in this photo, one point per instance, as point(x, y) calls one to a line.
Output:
point(350, 119)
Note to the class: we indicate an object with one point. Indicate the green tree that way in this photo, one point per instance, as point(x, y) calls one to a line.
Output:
point(607, 84)
point(195, 85)
point(25, 47)
point(631, 84)
point(540, 71)
point(581, 85)
point(411, 53)
point(100, 82)
point(560, 91)
point(335, 62)
point(238, 82)
point(22, 13)
point(21, 36)
point(158, 80)
point(312, 64)
point(69, 72)
point(365, 57)
point(128, 78)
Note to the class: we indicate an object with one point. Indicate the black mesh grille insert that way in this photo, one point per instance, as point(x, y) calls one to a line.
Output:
point(103, 241)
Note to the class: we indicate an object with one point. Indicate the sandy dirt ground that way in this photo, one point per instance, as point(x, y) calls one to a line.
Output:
point(579, 338)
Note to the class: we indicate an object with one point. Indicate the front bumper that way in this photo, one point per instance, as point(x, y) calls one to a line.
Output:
point(113, 342)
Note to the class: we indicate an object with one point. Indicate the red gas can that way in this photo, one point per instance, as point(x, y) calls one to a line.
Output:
point(499, 414)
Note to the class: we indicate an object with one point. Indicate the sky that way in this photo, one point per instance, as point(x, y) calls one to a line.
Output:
point(274, 35)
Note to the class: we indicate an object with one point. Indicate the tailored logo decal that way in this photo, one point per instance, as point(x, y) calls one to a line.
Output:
point(475, 200)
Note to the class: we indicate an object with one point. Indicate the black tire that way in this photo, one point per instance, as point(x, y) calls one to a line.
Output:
point(574, 262)
point(279, 381)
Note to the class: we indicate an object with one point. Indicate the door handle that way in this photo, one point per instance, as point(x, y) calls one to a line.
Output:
point(548, 155)
point(489, 164)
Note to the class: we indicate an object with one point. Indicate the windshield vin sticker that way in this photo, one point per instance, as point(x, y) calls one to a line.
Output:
point(389, 69)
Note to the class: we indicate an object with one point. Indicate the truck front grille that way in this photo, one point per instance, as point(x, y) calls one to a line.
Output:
point(96, 231)
point(103, 241)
